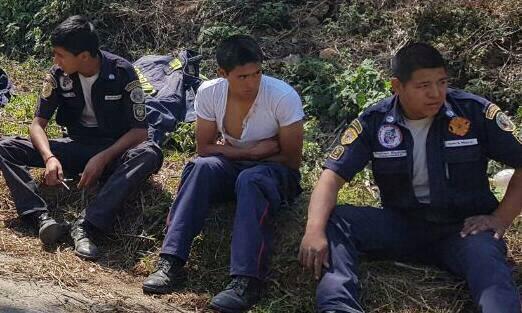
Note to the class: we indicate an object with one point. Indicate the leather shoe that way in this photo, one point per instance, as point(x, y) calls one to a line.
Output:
point(82, 233)
point(239, 296)
point(169, 274)
point(49, 230)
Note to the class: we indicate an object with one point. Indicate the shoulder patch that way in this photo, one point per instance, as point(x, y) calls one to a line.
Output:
point(133, 84)
point(349, 135)
point(49, 84)
point(504, 122)
point(137, 95)
point(337, 152)
point(491, 111)
point(518, 135)
point(356, 124)
point(139, 111)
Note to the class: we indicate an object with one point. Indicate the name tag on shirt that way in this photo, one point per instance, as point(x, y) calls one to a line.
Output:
point(389, 154)
point(112, 97)
point(460, 143)
point(69, 95)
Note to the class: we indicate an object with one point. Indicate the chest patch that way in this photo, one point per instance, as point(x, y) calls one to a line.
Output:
point(459, 126)
point(460, 143)
point(113, 97)
point(390, 136)
point(390, 154)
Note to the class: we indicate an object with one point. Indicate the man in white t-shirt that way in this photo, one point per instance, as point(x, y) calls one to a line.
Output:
point(256, 161)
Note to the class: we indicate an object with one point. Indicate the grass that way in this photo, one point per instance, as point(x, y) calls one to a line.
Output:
point(131, 252)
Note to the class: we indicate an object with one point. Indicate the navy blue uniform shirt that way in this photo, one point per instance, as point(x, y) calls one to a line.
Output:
point(117, 98)
point(464, 135)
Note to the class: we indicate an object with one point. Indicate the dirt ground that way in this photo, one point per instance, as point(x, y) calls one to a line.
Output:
point(21, 293)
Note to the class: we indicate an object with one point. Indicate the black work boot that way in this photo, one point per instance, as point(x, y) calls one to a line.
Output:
point(49, 230)
point(82, 233)
point(239, 296)
point(169, 274)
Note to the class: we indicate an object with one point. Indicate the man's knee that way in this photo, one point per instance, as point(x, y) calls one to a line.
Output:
point(482, 248)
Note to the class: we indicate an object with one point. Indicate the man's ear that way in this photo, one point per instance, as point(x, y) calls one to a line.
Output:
point(221, 72)
point(396, 84)
point(84, 55)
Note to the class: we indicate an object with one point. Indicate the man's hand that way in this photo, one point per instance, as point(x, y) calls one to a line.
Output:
point(53, 172)
point(475, 224)
point(264, 149)
point(313, 253)
point(93, 170)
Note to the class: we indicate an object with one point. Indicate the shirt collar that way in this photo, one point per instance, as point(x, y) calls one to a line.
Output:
point(395, 114)
point(107, 66)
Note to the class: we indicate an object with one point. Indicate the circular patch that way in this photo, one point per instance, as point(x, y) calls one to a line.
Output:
point(390, 136)
point(349, 136)
point(137, 95)
point(459, 126)
point(389, 119)
point(66, 83)
point(504, 122)
point(337, 152)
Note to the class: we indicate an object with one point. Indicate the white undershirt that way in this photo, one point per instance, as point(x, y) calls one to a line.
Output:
point(421, 183)
point(277, 105)
point(88, 118)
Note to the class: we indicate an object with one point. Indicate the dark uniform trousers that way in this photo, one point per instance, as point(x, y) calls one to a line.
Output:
point(124, 174)
point(480, 259)
point(259, 188)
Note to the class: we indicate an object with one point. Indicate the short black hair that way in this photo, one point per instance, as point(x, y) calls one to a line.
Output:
point(238, 50)
point(415, 56)
point(76, 34)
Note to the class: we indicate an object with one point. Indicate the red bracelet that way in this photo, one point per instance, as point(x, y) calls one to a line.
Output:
point(48, 158)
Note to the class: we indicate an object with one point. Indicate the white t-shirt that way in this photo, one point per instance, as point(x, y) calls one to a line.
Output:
point(277, 105)
point(421, 183)
point(88, 118)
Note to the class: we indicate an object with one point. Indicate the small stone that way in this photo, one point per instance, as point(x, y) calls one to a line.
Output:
point(328, 54)
point(292, 59)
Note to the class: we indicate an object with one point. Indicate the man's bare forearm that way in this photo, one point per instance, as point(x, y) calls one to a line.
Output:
point(323, 201)
point(230, 152)
point(39, 137)
point(285, 160)
point(511, 206)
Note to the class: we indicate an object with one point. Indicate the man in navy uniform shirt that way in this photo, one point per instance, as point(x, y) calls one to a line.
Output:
point(98, 99)
point(429, 147)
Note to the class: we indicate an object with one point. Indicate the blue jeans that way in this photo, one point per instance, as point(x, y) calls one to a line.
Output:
point(479, 259)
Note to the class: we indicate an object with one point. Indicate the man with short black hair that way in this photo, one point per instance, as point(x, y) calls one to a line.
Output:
point(97, 97)
point(260, 121)
point(429, 147)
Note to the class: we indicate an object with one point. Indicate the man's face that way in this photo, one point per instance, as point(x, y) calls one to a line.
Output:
point(244, 80)
point(67, 61)
point(424, 94)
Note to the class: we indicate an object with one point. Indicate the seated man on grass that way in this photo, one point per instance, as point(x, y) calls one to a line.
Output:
point(98, 99)
point(429, 147)
point(260, 120)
